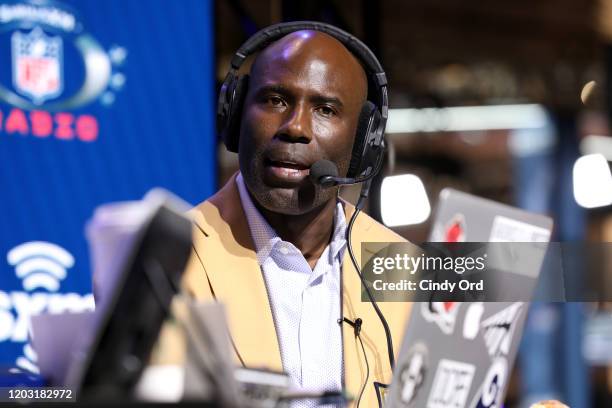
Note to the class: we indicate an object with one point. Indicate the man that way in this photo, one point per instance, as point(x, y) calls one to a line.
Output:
point(271, 245)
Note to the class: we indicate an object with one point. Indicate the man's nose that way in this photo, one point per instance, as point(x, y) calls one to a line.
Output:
point(296, 125)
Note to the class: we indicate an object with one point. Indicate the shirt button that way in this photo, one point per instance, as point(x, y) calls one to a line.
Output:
point(284, 250)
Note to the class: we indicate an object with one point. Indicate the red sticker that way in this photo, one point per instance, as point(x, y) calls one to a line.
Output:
point(455, 229)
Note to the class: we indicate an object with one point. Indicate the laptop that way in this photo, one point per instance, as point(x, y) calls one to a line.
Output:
point(461, 354)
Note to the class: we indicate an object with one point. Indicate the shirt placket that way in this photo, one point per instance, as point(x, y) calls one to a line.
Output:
point(314, 327)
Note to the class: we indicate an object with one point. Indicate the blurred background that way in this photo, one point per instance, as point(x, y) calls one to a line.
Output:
point(507, 100)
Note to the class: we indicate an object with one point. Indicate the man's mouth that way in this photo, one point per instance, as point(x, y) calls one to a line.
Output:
point(285, 164)
point(286, 172)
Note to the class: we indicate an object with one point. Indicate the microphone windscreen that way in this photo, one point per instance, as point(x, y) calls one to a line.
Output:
point(322, 168)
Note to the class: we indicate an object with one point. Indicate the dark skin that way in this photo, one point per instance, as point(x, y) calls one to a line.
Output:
point(305, 94)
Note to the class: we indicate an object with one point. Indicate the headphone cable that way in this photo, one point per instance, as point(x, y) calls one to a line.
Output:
point(365, 383)
point(365, 190)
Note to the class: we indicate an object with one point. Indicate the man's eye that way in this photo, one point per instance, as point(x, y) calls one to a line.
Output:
point(276, 101)
point(326, 111)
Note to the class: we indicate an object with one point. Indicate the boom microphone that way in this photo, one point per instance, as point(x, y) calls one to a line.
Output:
point(325, 173)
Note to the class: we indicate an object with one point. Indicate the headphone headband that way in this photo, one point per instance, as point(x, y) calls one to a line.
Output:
point(266, 36)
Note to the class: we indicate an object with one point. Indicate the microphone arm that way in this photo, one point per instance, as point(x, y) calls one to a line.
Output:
point(331, 181)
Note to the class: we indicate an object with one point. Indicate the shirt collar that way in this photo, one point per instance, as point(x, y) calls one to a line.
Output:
point(265, 237)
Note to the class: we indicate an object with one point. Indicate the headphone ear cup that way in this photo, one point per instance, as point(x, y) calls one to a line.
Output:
point(367, 124)
point(236, 94)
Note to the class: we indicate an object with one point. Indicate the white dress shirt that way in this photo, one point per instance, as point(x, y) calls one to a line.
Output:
point(305, 303)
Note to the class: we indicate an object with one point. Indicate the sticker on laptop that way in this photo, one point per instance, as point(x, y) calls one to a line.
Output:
point(489, 394)
point(451, 384)
point(444, 314)
point(412, 375)
point(508, 230)
point(498, 329)
point(455, 229)
point(471, 322)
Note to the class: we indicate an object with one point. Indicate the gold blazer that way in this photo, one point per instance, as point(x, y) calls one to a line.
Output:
point(223, 267)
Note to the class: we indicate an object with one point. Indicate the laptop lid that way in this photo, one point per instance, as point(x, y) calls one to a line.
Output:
point(460, 354)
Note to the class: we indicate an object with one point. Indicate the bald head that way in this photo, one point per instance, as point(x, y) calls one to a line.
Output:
point(315, 46)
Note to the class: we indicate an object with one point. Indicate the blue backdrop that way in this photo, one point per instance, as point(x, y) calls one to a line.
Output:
point(99, 101)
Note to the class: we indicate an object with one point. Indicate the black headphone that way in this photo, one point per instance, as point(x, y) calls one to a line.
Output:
point(368, 147)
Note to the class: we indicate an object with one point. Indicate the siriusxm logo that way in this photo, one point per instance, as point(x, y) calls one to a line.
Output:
point(41, 266)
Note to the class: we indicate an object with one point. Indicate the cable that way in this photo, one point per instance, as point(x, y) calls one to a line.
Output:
point(360, 202)
point(363, 387)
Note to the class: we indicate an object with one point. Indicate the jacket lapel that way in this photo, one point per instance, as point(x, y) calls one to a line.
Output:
point(230, 263)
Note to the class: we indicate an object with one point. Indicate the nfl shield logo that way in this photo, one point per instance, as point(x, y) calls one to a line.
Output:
point(37, 65)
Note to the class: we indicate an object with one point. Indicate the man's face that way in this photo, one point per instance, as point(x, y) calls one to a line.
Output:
point(305, 95)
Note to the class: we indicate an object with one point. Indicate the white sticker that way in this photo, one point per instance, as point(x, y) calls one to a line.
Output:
point(471, 323)
point(451, 384)
point(491, 392)
point(444, 314)
point(508, 230)
point(412, 375)
point(498, 330)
